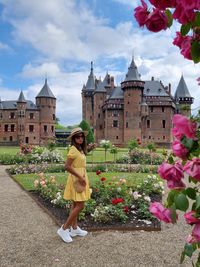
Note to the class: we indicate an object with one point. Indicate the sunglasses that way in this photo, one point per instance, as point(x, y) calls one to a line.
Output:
point(79, 136)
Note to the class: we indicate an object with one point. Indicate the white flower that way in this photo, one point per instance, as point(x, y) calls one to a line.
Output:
point(136, 195)
point(119, 189)
point(147, 198)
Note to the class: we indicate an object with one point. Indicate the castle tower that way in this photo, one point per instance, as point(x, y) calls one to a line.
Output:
point(133, 93)
point(46, 102)
point(99, 100)
point(21, 119)
point(87, 98)
point(183, 98)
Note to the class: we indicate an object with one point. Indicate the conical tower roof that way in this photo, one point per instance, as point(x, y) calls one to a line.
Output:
point(132, 74)
point(182, 90)
point(21, 98)
point(46, 91)
point(90, 85)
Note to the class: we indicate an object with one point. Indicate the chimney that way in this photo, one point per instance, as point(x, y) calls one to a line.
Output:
point(169, 88)
point(152, 78)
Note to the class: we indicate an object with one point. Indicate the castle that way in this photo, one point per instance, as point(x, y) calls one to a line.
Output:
point(22, 121)
point(136, 109)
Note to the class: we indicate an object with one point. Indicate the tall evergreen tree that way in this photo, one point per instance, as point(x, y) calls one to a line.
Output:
point(86, 127)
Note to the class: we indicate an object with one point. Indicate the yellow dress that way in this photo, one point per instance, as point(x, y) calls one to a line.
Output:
point(79, 164)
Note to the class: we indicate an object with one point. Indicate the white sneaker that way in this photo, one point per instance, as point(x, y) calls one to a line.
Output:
point(64, 234)
point(77, 231)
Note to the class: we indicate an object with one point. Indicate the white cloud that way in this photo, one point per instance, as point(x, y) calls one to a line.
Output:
point(4, 46)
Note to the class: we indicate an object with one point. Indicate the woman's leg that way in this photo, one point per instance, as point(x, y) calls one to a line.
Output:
point(72, 219)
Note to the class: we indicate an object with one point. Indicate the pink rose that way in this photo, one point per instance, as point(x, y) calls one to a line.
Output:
point(141, 13)
point(177, 185)
point(189, 4)
point(182, 14)
point(163, 4)
point(183, 126)
point(192, 167)
point(190, 219)
point(196, 232)
point(178, 39)
point(160, 212)
point(156, 21)
point(179, 150)
point(171, 172)
point(186, 47)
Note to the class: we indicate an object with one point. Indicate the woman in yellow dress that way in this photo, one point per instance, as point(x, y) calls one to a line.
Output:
point(77, 188)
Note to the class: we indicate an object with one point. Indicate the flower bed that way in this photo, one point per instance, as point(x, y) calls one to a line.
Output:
point(113, 204)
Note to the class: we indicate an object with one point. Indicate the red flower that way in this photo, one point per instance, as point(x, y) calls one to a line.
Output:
point(103, 179)
point(98, 172)
point(126, 209)
point(115, 201)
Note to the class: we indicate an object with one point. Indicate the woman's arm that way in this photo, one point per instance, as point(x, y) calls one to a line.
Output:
point(69, 168)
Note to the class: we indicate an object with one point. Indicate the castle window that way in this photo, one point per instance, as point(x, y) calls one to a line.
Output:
point(163, 123)
point(52, 129)
point(100, 127)
point(21, 113)
point(45, 128)
point(126, 113)
point(21, 128)
point(99, 115)
point(117, 137)
point(148, 123)
point(115, 123)
point(126, 124)
point(128, 102)
point(115, 113)
point(139, 124)
point(31, 116)
point(149, 137)
point(11, 138)
point(163, 109)
point(12, 128)
point(12, 115)
point(54, 117)
point(31, 128)
point(151, 109)
point(163, 137)
point(6, 128)
point(1, 116)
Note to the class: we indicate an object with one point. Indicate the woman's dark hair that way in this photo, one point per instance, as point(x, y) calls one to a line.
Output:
point(82, 147)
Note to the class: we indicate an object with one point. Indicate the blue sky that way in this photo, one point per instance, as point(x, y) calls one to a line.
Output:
point(59, 39)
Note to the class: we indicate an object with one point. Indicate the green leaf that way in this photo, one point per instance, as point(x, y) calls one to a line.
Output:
point(185, 28)
point(182, 257)
point(197, 19)
point(195, 51)
point(181, 202)
point(191, 192)
point(170, 159)
point(187, 142)
point(197, 202)
point(169, 17)
point(170, 197)
point(188, 250)
point(173, 213)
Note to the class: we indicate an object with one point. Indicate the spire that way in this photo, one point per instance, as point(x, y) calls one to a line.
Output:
point(182, 90)
point(90, 85)
point(46, 91)
point(21, 98)
point(132, 74)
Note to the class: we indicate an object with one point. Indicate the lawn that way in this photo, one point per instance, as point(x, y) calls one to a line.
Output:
point(26, 180)
point(11, 150)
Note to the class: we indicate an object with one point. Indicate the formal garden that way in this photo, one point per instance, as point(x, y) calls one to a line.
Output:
point(122, 183)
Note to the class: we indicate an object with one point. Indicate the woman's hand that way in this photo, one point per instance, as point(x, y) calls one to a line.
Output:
point(83, 181)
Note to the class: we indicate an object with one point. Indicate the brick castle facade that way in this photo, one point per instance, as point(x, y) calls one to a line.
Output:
point(136, 109)
point(22, 121)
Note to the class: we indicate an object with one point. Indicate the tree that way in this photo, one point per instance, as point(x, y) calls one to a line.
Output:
point(132, 144)
point(114, 151)
point(85, 127)
point(106, 144)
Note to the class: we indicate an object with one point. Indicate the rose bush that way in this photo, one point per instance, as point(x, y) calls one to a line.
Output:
point(183, 178)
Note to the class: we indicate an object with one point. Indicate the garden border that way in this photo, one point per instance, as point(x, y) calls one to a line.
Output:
point(92, 229)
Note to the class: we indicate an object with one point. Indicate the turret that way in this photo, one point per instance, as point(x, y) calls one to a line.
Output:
point(46, 102)
point(133, 93)
point(183, 98)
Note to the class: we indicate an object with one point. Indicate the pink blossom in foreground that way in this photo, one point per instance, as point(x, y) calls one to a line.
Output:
point(177, 185)
point(141, 13)
point(171, 172)
point(189, 4)
point(163, 4)
point(183, 126)
point(179, 150)
point(156, 21)
point(160, 212)
point(182, 14)
point(190, 219)
point(192, 167)
point(195, 236)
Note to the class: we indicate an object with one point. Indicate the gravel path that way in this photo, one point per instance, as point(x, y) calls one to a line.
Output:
point(28, 238)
